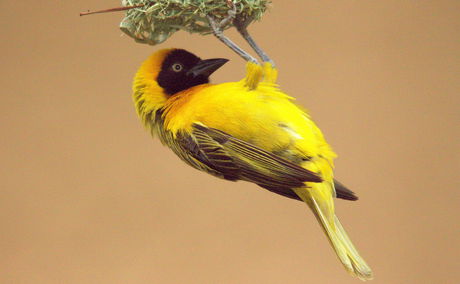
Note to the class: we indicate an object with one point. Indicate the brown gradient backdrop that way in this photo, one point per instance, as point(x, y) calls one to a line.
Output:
point(88, 197)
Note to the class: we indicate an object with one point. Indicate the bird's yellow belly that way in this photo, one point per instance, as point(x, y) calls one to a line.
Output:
point(264, 117)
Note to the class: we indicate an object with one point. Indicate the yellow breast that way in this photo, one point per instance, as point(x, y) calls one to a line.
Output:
point(265, 117)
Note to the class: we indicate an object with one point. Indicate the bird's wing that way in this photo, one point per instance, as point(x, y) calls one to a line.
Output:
point(236, 159)
point(340, 190)
point(343, 192)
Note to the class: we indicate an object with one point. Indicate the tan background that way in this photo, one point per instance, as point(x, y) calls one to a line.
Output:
point(88, 197)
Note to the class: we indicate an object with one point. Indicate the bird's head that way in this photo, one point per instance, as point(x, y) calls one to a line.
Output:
point(168, 72)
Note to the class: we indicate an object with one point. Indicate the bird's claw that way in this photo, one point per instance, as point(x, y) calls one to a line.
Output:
point(218, 28)
point(241, 23)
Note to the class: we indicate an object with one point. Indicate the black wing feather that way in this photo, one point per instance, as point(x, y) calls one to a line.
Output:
point(340, 190)
point(343, 192)
point(225, 156)
point(233, 159)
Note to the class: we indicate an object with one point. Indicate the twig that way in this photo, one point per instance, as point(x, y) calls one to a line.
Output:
point(111, 10)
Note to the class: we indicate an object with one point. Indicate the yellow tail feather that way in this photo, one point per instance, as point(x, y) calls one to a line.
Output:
point(324, 212)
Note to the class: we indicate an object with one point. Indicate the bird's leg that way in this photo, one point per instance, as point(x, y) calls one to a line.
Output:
point(241, 25)
point(217, 29)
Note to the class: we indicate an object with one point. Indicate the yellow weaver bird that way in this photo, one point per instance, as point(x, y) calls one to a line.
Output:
point(248, 130)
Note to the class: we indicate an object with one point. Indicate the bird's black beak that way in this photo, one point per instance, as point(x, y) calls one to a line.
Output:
point(206, 67)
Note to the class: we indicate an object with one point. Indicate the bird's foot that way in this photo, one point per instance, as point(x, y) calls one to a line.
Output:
point(218, 27)
point(241, 23)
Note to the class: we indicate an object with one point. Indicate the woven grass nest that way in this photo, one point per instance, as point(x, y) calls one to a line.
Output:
point(157, 20)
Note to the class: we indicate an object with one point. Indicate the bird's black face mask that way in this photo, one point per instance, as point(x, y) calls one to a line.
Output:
point(181, 70)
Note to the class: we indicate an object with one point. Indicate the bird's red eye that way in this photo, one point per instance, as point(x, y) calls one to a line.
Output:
point(177, 67)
